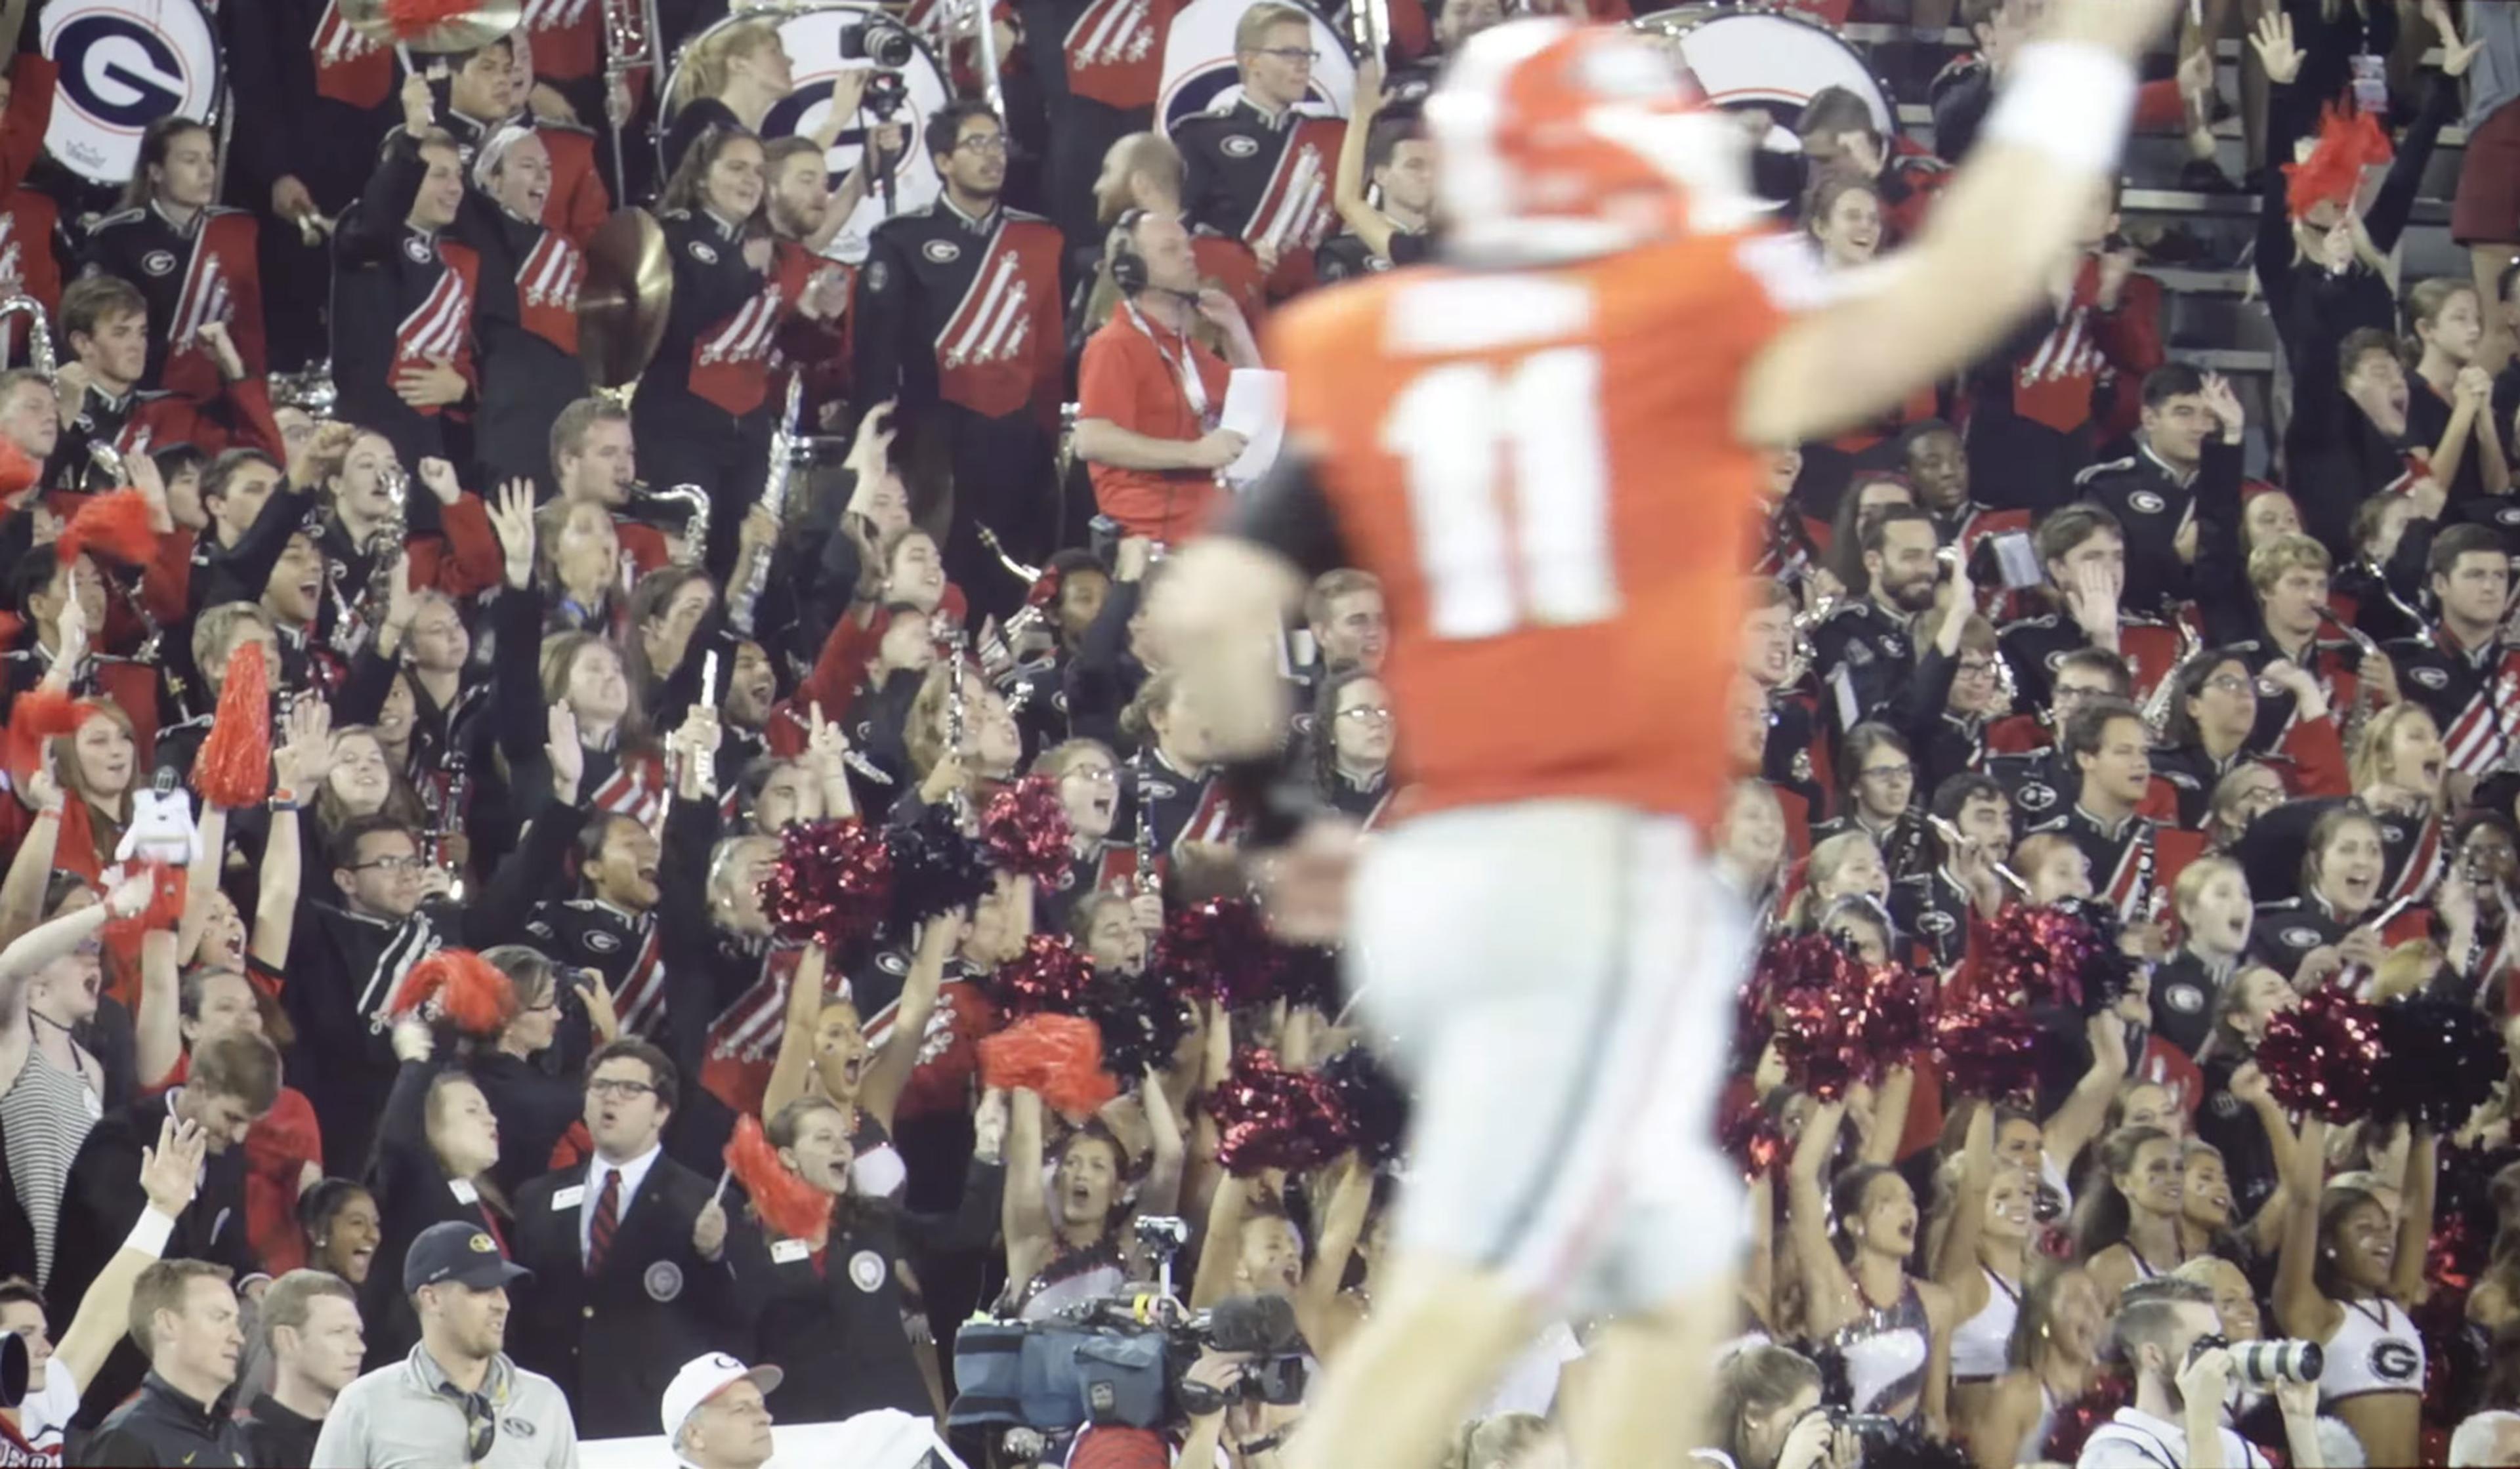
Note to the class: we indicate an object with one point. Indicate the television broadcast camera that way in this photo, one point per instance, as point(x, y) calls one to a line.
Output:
point(1120, 1359)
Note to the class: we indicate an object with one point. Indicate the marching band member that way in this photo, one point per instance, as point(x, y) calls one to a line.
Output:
point(1260, 170)
point(194, 261)
point(403, 342)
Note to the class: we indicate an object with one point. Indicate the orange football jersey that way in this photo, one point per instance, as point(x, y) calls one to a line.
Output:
point(1541, 465)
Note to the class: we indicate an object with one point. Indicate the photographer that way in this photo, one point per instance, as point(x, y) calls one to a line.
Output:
point(2168, 1334)
point(1768, 1414)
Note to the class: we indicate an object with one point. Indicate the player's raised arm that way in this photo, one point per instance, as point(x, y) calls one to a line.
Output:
point(1989, 248)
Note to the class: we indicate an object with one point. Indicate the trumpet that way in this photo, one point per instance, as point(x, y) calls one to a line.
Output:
point(785, 455)
point(39, 333)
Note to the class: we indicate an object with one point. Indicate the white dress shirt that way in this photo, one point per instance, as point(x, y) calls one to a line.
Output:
point(633, 1174)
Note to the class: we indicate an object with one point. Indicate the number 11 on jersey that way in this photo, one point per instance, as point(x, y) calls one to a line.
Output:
point(1508, 492)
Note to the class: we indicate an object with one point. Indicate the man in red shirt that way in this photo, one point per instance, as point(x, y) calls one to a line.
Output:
point(1148, 393)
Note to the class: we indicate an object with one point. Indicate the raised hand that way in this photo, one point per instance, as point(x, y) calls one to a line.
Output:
point(566, 755)
point(438, 477)
point(2272, 42)
point(513, 518)
point(170, 1173)
point(305, 753)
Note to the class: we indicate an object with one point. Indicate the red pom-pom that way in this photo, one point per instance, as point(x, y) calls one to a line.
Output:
point(410, 19)
point(2349, 141)
point(831, 885)
point(1026, 830)
point(165, 908)
point(1051, 976)
point(1221, 947)
point(1060, 1056)
point(234, 766)
point(1830, 1040)
point(1988, 1048)
point(1750, 1136)
point(18, 473)
point(461, 988)
point(1268, 1117)
point(35, 716)
point(2322, 1056)
point(791, 1207)
point(114, 525)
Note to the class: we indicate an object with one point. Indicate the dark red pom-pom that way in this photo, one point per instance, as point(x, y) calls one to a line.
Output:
point(1988, 1048)
point(1787, 963)
point(2441, 1061)
point(113, 527)
point(831, 885)
point(1220, 948)
point(1268, 1117)
point(1052, 975)
point(1027, 829)
point(2322, 1056)
point(1375, 1104)
point(792, 1208)
point(1830, 1040)
point(936, 870)
point(1750, 1136)
point(458, 986)
point(2063, 955)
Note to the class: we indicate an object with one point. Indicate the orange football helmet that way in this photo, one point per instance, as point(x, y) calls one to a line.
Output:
point(1557, 140)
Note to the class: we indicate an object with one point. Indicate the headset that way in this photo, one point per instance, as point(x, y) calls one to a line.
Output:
point(1128, 267)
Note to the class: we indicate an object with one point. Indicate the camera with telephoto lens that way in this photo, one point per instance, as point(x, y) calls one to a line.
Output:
point(880, 40)
point(2261, 1366)
point(1872, 1431)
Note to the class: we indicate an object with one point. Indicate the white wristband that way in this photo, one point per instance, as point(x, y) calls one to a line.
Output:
point(150, 1231)
point(2072, 101)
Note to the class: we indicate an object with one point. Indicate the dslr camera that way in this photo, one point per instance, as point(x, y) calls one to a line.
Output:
point(2260, 1366)
point(880, 40)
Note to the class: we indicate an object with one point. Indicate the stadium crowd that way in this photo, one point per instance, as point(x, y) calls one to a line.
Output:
point(399, 890)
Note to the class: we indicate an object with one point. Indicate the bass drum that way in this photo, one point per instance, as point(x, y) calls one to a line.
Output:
point(812, 38)
point(1746, 58)
point(125, 64)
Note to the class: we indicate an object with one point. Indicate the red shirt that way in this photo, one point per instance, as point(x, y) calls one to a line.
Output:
point(1133, 379)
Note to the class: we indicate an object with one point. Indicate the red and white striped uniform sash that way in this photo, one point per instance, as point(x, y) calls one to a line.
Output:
point(547, 286)
point(1113, 53)
point(349, 67)
point(2476, 740)
point(635, 789)
point(2422, 868)
point(2126, 887)
point(441, 325)
point(1298, 210)
point(567, 37)
point(640, 1005)
point(731, 361)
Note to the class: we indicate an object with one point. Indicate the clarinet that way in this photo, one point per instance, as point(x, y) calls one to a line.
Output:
point(450, 814)
point(960, 799)
point(783, 445)
point(1148, 880)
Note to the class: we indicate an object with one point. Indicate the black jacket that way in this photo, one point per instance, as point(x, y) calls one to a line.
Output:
point(613, 1340)
point(164, 1427)
point(103, 1199)
point(274, 1435)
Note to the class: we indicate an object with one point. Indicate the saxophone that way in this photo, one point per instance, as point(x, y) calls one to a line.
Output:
point(786, 453)
point(383, 546)
point(693, 503)
point(39, 333)
point(2156, 709)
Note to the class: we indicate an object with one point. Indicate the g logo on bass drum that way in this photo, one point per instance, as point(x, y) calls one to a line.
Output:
point(125, 64)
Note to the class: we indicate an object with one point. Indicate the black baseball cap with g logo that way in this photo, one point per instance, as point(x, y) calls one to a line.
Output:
point(463, 1253)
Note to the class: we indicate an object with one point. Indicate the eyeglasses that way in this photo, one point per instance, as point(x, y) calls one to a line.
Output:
point(618, 1091)
point(2232, 682)
point(983, 142)
point(1367, 713)
point(1977, 667)
point(1291, 54)
point(392, 865)
point(1890, 773)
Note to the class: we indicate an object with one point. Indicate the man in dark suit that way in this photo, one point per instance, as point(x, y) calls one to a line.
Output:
point(628, 1252)
point(233, 1082)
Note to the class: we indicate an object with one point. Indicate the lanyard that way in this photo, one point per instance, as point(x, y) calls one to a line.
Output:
point(1185, 366)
